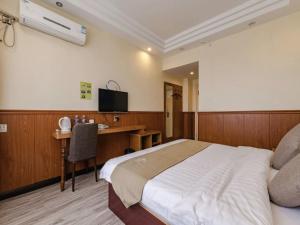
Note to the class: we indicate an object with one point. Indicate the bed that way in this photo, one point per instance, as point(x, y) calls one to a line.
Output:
point(221, 185)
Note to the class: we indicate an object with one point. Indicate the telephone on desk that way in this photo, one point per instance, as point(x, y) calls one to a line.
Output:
point(102, 126)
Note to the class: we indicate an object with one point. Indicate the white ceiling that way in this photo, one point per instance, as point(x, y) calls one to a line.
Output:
point(167, 18)
point(185, 71)
point(169, 25)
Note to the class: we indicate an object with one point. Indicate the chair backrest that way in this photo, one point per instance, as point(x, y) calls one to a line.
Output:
point(83, 144)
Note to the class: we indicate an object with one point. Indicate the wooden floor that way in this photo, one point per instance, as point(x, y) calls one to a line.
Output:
point(88, 205)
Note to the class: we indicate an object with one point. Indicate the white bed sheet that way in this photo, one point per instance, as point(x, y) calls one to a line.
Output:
point(110, 165)
point(184, 175)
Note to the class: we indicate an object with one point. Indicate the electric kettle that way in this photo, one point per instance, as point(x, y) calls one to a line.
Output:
point(65, 124)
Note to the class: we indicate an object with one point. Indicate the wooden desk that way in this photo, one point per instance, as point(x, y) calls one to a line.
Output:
point(63, 137)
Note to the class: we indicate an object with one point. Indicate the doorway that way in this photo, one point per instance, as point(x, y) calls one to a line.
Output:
point(173, 111)
point(189, 73)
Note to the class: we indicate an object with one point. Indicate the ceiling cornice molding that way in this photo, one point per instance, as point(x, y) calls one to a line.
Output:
point(105, 13)
point(240, 14)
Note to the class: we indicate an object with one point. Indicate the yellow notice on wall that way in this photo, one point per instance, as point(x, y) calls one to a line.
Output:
point(86, 90)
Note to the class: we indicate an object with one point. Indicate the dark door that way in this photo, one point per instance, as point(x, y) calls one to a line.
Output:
point(173, 112)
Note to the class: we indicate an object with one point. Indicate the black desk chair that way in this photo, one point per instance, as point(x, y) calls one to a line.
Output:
point(83, 147)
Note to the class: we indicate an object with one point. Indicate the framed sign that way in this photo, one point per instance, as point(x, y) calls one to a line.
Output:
point(85, 90)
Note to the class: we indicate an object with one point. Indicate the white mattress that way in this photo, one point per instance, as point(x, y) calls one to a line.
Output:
point(178, 179)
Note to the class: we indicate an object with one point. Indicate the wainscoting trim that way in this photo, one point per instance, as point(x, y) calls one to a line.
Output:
point(262, 129)
point(29, 154)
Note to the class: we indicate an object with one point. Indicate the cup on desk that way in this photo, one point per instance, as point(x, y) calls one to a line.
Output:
point(91, 121)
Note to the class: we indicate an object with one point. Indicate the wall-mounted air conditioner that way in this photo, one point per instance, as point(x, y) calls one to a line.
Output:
point(42, 19)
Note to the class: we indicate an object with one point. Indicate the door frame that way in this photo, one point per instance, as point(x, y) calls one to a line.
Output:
point(165, 112)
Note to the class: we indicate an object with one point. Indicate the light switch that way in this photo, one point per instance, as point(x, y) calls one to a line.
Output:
point(3, 128)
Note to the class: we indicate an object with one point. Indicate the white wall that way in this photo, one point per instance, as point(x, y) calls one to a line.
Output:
point(43, 72)
point(195, 87)
point(185, 95)
point(257, 69)
point(189, 95)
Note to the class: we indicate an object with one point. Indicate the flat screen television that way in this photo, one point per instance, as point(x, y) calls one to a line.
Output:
point(112, 101)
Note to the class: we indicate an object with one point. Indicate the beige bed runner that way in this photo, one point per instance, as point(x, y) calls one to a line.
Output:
point(129, 177)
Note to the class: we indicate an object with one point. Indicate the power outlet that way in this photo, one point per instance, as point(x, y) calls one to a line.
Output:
point(3, 128)
point(116, 118)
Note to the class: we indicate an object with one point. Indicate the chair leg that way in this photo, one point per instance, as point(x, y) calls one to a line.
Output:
point(87, 166)
point(66, 166)
point(73, 176)
point(95, 167)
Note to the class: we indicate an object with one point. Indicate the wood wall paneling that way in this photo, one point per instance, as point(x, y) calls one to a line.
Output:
point(29, 154)
point(215, 131)
point(202, 126)
point(17, 151)
point(234, 129)
point(256, 129)
point(211, 127)
point(189, 125)
point(280, 124)
point(47, 159)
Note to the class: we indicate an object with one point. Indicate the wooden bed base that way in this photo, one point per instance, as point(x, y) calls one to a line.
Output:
point(135, 215)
